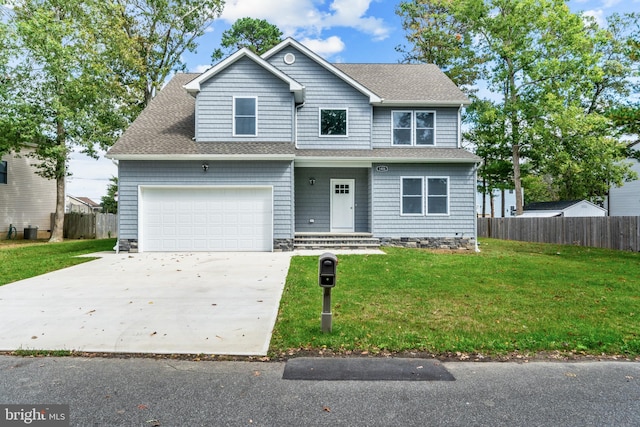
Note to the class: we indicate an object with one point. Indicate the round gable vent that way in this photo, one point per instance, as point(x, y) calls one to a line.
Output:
point(289, 58)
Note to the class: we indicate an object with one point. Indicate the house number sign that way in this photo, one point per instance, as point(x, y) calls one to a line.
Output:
point(382, 168)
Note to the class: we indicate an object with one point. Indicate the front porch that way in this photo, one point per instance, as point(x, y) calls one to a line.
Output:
point(335, 241)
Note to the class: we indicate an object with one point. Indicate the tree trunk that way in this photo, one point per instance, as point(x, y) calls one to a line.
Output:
point(57, 233)
point(517, 179)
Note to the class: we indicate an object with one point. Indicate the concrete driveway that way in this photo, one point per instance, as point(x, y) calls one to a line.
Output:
point(214, 303)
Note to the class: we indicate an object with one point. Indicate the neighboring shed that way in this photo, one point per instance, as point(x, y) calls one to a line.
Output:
point(567, 208)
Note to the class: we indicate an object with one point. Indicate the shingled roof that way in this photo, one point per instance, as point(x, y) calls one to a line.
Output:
point(166, 128)
point(415, 84)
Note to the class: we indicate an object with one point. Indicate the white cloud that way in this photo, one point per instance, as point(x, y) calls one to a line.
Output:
point(326, 47)
point(610, 3)
point(200, 68)
point(307, 18)
point(598, 15)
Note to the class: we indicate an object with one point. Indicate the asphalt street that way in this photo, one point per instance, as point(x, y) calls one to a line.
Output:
point(148, 392)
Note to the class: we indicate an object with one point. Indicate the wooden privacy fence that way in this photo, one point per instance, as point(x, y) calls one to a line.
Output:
point(89, 225)
point(611, 232)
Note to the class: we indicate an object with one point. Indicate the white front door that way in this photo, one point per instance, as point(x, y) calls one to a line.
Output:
point(342, 205)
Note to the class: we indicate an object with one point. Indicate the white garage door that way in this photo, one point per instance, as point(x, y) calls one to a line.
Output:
point(206, 219)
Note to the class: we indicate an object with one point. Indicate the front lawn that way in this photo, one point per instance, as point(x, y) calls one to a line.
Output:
point(21, 259)
point(510, 297)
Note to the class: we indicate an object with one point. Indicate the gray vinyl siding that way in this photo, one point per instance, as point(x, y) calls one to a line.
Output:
point(313, 201)
point(446, 126)
point(131, 174)
point(325, 90)
point(214, 104)
point(386, 189)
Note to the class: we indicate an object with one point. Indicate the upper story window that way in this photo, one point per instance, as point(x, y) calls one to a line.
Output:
point(245, 116)
point(3, 172)
point(413, 127)
point(333, 122)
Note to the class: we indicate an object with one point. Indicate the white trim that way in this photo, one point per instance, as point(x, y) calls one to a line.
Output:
point(352, 193)
point(142, 187)
point(193, 87)
point(427, 196)
point(422, 196)
point(420, 104)
point(321, 135)
point(210, 157)
point(233, 130)
point(414, 128)
point(373, 98)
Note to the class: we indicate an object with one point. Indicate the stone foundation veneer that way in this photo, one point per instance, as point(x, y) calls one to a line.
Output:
point(448, 243)
point(279, 245)
point(282, 245)
point(128, 245)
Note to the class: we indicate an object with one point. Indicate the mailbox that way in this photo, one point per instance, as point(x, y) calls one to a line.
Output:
point(327, 270)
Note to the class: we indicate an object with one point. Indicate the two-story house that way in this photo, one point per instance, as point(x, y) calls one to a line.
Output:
point(259, 150)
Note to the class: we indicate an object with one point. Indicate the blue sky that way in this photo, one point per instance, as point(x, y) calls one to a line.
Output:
point(338, 30)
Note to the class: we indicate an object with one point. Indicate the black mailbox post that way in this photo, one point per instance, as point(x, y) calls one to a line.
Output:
point(327, 269)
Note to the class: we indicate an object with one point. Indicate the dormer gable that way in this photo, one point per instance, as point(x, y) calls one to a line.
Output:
point(193, 87)
point(290, 42)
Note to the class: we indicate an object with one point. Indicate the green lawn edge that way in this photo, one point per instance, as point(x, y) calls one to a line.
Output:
point(21, 260)
point(510, 298)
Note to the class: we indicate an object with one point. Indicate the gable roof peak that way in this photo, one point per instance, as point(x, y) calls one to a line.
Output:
point(289, 41)
point(193, 87)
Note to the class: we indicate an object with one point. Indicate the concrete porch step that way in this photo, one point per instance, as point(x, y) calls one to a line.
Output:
point(335, 241)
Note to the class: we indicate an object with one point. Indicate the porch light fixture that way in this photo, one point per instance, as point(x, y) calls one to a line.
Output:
point(205, 167)
point(312, 181)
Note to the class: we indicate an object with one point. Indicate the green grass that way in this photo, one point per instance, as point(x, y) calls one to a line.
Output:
point(510, 297)
point(21, 260)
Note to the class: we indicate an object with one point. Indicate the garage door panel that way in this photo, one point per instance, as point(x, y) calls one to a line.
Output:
point(207, 219)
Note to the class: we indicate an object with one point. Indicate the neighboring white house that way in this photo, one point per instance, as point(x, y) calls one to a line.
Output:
point(568, 208)
point(625, 200)
point(26, 199)
point(81, 205)
point(509, 203)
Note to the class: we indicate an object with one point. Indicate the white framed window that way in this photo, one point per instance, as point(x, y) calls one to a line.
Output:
point(411, 127)
point(412, 196)
point(333, 122)
point(424, 195)
point(437, 196)
point(245, 116)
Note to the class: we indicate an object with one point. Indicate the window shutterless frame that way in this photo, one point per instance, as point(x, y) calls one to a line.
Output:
point(438, 195)
point(245, 116)
point(333, 122)
point(412, 196)
point(413, 127)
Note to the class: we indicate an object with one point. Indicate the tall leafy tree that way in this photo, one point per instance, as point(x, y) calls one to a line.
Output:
point(109, 202)
point(258, 35)
point(538, 61)
point(160, 32)
point(437, 37)
point(67, 91)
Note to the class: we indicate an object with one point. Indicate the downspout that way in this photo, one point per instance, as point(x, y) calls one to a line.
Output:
point(295, 137)
point(117, 246)
point(475, 203)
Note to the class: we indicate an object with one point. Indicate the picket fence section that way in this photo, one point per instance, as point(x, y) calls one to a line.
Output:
point(611, 232)
point(89, 225)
